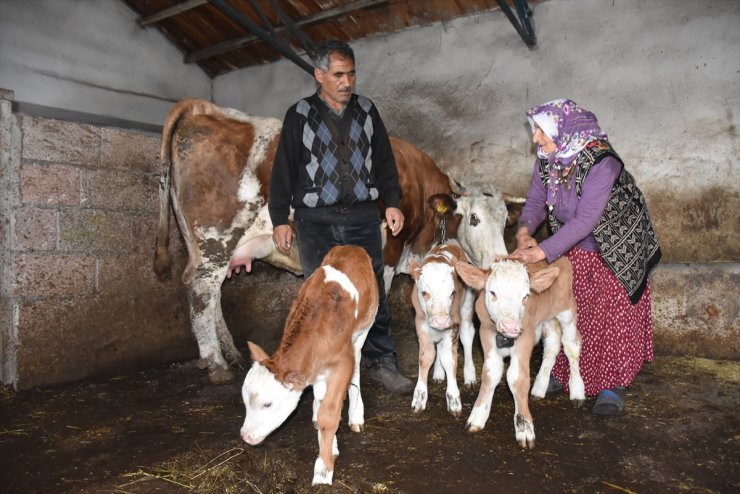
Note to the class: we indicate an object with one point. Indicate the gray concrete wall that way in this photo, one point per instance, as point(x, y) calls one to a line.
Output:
point(89, 59)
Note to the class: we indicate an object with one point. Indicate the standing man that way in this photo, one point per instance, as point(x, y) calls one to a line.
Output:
point(333, 163)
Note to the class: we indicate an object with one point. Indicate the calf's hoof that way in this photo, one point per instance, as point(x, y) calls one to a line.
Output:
point(357, 427)
point(473, 428)
point(321, 474)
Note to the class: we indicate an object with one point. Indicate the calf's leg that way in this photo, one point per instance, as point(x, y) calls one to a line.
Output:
point(493, 369)
point(447, 351)
point(572, 347)
point(551, 347)
point(467, 334)
point(427, 355)
point(329, 415)
point(518, 378)
point(356, 410)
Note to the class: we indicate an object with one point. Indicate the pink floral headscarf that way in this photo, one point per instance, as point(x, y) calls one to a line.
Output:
point(572, 128)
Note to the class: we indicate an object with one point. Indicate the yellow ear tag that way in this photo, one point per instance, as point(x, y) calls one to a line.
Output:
point(441, 208)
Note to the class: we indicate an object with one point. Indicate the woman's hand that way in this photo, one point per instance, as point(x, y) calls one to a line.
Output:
point(524, 240)
point(528, 255)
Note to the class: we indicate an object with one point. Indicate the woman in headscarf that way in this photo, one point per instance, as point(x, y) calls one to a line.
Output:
point(598, 219)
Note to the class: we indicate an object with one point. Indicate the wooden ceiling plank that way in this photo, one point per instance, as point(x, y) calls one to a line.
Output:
point(170, 12)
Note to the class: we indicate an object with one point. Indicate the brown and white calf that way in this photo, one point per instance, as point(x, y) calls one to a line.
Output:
point(444, 315)
point(324, 333)
point(519, 303)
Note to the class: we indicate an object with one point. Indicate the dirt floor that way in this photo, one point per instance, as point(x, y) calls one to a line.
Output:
point(168, 430)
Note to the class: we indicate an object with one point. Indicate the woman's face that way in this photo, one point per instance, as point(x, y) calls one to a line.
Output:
point(545, 143)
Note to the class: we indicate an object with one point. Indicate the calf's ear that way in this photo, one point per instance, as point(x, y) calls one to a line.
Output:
point(294, 379)
point(414, 269)
point(256, 352)
point(543, 279)
point(473, 276)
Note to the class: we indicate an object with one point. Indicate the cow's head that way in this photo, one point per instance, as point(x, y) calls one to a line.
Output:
point(268, 401)
point(483, 217)
point(436, 286)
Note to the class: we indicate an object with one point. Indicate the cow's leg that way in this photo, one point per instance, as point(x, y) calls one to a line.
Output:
point(388, 273)
point(229, 349)
point(204, 297)
point(518, 378)
point(427, 354)
point(447, 351)
point(572, 346)
point(493, 369)
point(356, 410)
point(467, 334)
point(550, 350)
point(328, 420)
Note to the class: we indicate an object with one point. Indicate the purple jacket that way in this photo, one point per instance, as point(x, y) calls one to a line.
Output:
point(579, 216)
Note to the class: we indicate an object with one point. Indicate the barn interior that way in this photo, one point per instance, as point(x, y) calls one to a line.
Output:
point(85, 88)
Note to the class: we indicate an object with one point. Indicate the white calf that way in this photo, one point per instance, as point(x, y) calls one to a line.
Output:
point(508, 311)
point(444, 313)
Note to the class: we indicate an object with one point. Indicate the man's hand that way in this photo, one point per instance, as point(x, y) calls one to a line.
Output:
point(282, 237)
point(394, 218)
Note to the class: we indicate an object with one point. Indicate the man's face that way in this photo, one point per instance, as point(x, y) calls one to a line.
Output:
point(337, 83)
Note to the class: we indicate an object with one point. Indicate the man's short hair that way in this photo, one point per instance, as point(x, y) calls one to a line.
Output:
point(324, 51)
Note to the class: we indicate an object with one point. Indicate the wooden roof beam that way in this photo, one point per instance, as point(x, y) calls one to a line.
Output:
point(170, 12)
point(324, 15)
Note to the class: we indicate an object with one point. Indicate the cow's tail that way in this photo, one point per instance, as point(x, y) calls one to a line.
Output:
point(183, 108)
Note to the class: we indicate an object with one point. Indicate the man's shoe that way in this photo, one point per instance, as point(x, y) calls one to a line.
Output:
point(385, 371)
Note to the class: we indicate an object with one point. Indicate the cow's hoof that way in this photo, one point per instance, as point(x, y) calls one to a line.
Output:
point(578, 403)
point(357, 427)
point(221, 376)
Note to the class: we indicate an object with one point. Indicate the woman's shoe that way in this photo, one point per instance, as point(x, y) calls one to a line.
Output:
point(554, 386)
point(610, 401)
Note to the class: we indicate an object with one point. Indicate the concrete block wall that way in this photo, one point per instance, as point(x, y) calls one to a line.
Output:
point(79, 211)
point(79, 296)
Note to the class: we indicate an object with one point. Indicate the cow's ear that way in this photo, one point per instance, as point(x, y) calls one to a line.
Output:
point(543, 279)
point(442, 204)
point(294, 379)
point(473, 276)
point(256, 352)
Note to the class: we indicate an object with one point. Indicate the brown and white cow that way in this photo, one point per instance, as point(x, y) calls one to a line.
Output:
point(519, 303)
point(320, 347)
point(216, 169)
point(444, 315)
